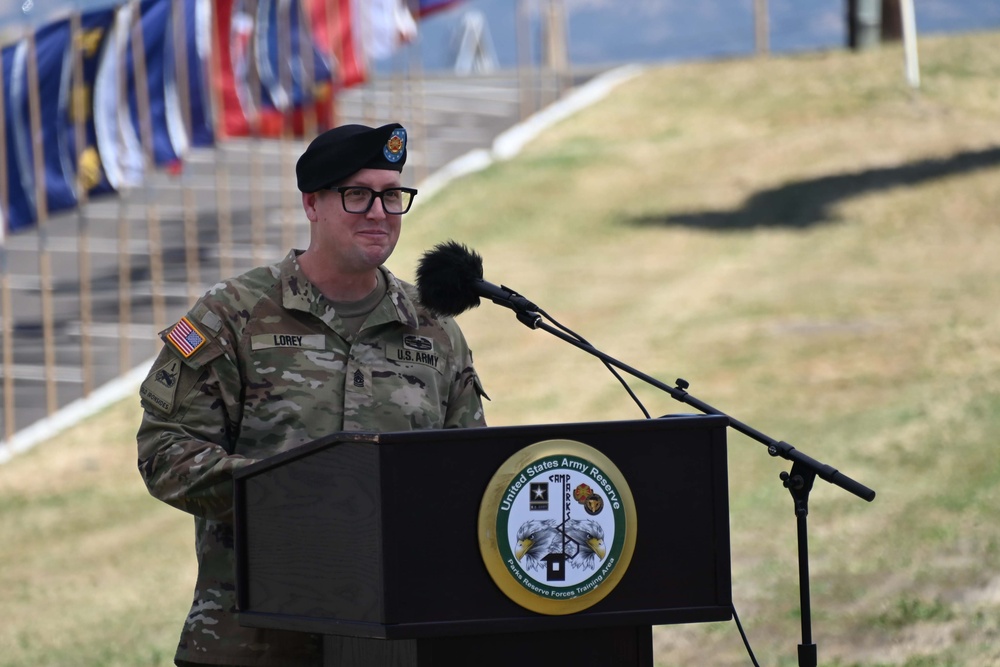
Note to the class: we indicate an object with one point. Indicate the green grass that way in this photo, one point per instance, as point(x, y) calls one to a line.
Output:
point(810, 243)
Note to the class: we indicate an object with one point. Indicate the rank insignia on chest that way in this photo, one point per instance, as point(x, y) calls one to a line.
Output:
point(185, 337)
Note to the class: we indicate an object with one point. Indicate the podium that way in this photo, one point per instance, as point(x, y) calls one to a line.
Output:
point(372, 540)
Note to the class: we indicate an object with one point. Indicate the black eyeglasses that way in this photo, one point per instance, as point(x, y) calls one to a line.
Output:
point(359, 199)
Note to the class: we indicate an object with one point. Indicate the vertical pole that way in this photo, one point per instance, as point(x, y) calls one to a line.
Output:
point(124, 232)
point(333, 30)
point(762, 27)
point(910, 43)
point(524, 58)
point(7, 314)
point(41, 204)
point(124, 283)
point(288, 126)
point(79, 112)
point(892, 21)
point(190, 216)
point(222, 187)
point(556, 47)
point(417, 102)
point(257, 213)
point(310, 106)
point(369, 89)
point(146, 136)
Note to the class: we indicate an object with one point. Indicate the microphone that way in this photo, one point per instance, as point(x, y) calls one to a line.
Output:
point(450, 282)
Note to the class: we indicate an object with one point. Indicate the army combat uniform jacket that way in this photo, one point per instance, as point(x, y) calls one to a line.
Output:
point(262, 364)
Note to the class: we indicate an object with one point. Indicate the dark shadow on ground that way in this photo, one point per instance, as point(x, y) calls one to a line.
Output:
point(807, 203)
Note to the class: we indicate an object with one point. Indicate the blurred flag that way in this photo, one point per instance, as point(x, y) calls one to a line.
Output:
point(20, 184)
point(117, 119)
point(295, 75)
point(384, 25)
point(430, 6)
point(55, 72)
point(333, 28)
point(53, 63)
point(270, 66)
point(234, 30)
point(198, 31)
point(90, 175)
point(351, 33)
point(169, 137)
point(117, 139)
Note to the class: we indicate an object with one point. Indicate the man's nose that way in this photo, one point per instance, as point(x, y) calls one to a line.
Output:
point(377, 211)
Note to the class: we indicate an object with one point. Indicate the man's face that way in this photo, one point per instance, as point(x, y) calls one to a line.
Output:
point(353, 242)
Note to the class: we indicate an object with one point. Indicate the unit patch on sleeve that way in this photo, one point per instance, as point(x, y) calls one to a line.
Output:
point(185, 337)
point(160, 386)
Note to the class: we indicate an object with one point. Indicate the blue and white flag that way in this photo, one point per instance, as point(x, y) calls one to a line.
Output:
point(117, 138)
point(55, 78)
point(169, 138)
point(288, 82)
point(53, 63)
point(20, 182)
point(93, 40)
point(198, 32)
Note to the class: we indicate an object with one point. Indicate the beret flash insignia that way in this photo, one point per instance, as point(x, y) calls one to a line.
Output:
point(395, 146)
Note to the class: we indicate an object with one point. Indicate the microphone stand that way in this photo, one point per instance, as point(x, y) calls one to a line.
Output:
point(799, 481)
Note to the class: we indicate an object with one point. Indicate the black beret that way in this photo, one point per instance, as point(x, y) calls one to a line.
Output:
point(342, 151)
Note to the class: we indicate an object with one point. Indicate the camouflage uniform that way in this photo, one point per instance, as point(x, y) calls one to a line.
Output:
point(262, 364)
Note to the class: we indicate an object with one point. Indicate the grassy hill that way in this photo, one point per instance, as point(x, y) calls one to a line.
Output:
point(810, 243)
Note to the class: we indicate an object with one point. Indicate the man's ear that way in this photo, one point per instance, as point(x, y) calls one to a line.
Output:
point(309, 205)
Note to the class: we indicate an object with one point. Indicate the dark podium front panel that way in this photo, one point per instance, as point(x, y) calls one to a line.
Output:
point(375, 535)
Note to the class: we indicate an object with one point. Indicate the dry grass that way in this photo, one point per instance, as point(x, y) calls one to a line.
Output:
point(806, 240)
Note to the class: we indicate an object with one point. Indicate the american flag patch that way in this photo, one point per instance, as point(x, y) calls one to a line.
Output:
point(185, 337)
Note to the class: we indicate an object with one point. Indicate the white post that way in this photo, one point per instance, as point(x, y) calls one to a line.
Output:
point(910, 43)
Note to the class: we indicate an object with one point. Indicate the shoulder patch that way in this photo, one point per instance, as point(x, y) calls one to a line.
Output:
point(185, 337)
point(160, 386)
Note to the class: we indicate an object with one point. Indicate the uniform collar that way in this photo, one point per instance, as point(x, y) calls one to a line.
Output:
point(297, 293)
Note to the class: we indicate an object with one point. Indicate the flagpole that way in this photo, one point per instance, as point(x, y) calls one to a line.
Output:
point(524, 73)
point(369, 93)
point(287, 80)
point(124, 222)
point(5, 299)
point(79, 111)
point(42, 213)
point(310, 109)
point(146, 137)
point(255, 183)
point(124, 282)
point(762, 28)
point(556, 48)
point(417, 90)
point(222, 185)
point(910, 43)
point(397, 85)
point(182, 82)
point(333, 30)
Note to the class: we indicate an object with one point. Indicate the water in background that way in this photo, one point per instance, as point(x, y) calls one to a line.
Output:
point(605, 32)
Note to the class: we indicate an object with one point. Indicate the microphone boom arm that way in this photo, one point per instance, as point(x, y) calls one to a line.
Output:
point(534, 320)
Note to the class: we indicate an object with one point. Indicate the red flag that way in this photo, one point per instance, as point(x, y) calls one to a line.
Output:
point(231, 63)
point(333, 29)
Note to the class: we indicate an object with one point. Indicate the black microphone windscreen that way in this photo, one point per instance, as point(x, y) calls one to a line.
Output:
point(446, 278)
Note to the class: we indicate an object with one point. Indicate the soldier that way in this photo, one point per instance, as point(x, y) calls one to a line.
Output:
point(326, 340)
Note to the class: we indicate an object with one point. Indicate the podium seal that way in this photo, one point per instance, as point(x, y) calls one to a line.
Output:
point(557, 527)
